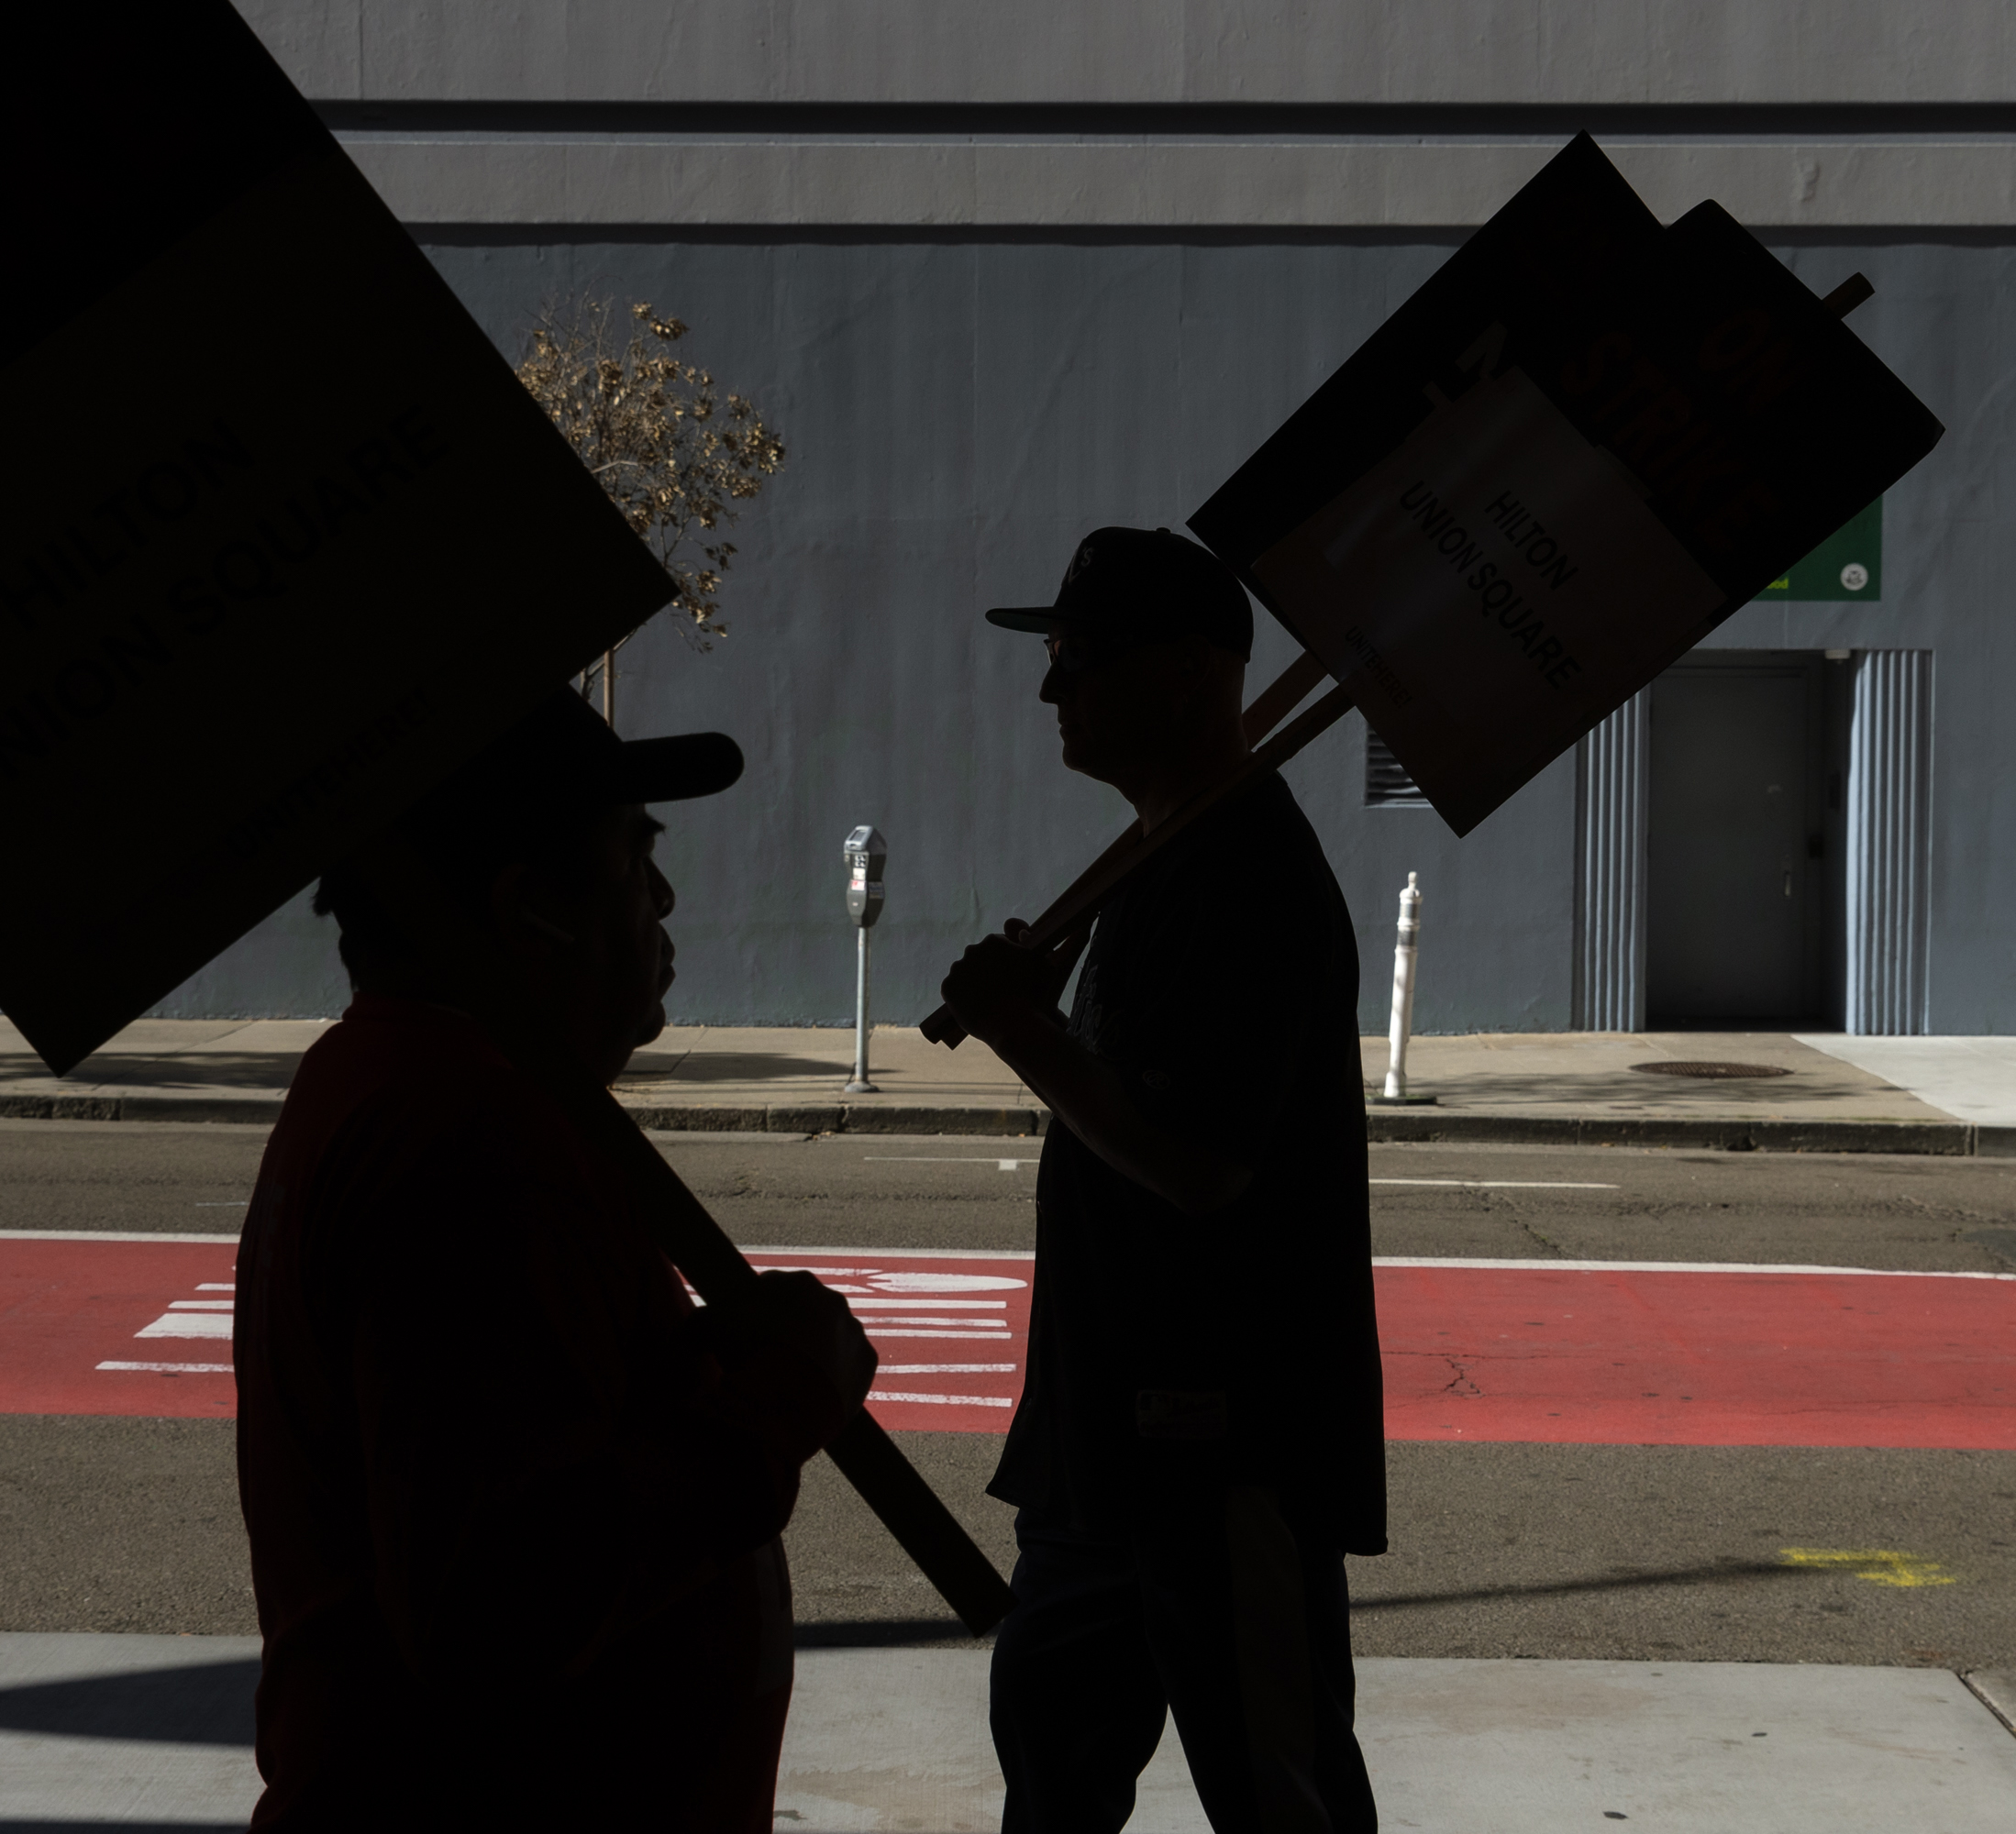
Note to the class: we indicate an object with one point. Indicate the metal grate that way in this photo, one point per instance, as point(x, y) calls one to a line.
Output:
point(1387, 784)
point(1682, 1068)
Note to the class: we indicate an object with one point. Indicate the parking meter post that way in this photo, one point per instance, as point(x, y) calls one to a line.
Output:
point(1406, 950)
point(860, 1084)
point(866, 853)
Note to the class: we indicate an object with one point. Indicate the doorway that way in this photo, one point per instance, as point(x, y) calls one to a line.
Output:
point(1742, 842)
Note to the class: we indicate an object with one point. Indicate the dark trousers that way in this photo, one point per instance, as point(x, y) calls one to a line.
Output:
point(1229, 1616)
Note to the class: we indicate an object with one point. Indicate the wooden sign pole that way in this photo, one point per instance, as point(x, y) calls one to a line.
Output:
point(1080, 900)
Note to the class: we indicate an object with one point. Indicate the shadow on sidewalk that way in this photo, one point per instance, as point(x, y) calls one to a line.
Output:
point(1671, 1576)
point(727, 1066)
point(124, 1827)
point(205, 1704)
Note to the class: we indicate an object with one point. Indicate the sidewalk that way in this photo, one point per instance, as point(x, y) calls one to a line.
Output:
point(100, 1730)
point(1838, 1094)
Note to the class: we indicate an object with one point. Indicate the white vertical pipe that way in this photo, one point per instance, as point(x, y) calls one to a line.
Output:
point(1889, 844)
point(1614, 774)
point(1405, 952)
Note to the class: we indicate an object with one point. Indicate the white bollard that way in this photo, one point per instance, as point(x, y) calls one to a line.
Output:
point(1405, 949)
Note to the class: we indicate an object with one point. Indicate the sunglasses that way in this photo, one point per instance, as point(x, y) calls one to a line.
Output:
point(1074, 654)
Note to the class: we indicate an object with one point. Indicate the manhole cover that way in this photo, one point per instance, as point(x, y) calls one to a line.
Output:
point(1712, 1070)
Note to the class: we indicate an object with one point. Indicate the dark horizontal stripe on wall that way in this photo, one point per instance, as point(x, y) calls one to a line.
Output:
point(1888, 236)
point(1237, 120)
point(870, 235)
point(783, 235)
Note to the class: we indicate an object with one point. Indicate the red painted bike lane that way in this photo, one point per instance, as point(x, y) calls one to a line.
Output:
point(104, 1325)
point(1625, 1353)
point(1609, 1353)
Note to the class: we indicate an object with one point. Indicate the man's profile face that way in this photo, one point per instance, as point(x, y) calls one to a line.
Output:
point(612, 981)
point(1118, 703)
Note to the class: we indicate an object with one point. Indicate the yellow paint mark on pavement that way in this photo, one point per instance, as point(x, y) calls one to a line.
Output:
point(1884, 1566)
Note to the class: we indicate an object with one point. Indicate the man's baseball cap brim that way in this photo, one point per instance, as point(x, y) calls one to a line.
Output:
point(563, 752)
point(1041, 619)
point(675, 770)
point(1136, 583)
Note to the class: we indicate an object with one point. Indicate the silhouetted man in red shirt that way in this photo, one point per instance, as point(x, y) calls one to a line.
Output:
point(514, 1504)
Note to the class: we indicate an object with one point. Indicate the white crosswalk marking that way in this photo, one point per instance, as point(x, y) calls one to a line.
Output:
point(947, 1369)
point(930, 1305)
point(942, 1400)
point(169, 1368)
point(189, 1324)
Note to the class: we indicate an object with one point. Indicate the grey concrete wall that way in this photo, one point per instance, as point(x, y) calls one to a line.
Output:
point(983, 333)
point(958, 412)
point(1940, 320)
point(1634, 52)
point(1167, 180)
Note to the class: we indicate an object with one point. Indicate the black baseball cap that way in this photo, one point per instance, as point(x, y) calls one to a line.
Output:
point(558, 764)
point(1144, 582)
point(563, 752)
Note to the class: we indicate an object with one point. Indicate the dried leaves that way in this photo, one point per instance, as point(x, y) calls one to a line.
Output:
point(654, 431)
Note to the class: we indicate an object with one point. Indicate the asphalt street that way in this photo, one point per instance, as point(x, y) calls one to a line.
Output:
point(1667, 1551)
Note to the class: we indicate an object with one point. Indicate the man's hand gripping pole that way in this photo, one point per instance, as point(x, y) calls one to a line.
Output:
point(1063, 924)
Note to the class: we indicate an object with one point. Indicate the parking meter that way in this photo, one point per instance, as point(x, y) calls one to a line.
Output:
point(865, 852)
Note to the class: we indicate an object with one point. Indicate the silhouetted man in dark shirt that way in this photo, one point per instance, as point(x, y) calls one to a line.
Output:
point(1200, 1438)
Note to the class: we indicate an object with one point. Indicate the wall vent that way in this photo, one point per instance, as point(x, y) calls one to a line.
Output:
point(1387, 784)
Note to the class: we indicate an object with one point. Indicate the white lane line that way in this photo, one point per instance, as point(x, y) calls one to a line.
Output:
point(201, 1305)
point(161, 1236)
point(945, 1369)
point(942, 1400)
point(189, 1324)
point(1682, 1267)
point(1421, 1261)
point(170, 1368)
point(1502, 1184)
point(882, 1254)
point(933, 1304)
point(999, 1336)
point(217, 1286)
point(934, 1159)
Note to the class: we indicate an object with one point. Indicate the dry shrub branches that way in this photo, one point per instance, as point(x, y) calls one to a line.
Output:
point(653, 431)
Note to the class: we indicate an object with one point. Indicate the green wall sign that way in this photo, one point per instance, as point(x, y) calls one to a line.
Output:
point(1847, 564)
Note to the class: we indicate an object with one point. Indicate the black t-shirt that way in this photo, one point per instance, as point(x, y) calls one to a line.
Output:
point(1167, 1352)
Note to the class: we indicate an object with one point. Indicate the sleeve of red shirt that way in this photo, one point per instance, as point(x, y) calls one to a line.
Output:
point(549, 1456)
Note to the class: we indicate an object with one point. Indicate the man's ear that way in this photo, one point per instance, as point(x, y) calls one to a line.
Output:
point(1194, 668)
point(521, 929)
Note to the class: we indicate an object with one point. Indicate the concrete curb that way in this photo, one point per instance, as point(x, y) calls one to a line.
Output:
point(842, 1117)
point(1995, 1690)
point(1946, 1139)
point(260, 1110)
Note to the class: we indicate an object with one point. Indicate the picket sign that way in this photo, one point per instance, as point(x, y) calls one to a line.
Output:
point(270, 575)
point(1579, 447)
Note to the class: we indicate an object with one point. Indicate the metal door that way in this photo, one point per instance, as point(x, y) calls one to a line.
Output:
point(1730, 932)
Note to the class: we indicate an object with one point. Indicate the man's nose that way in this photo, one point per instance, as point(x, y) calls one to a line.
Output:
point(662, 897)
point(1055, 687)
